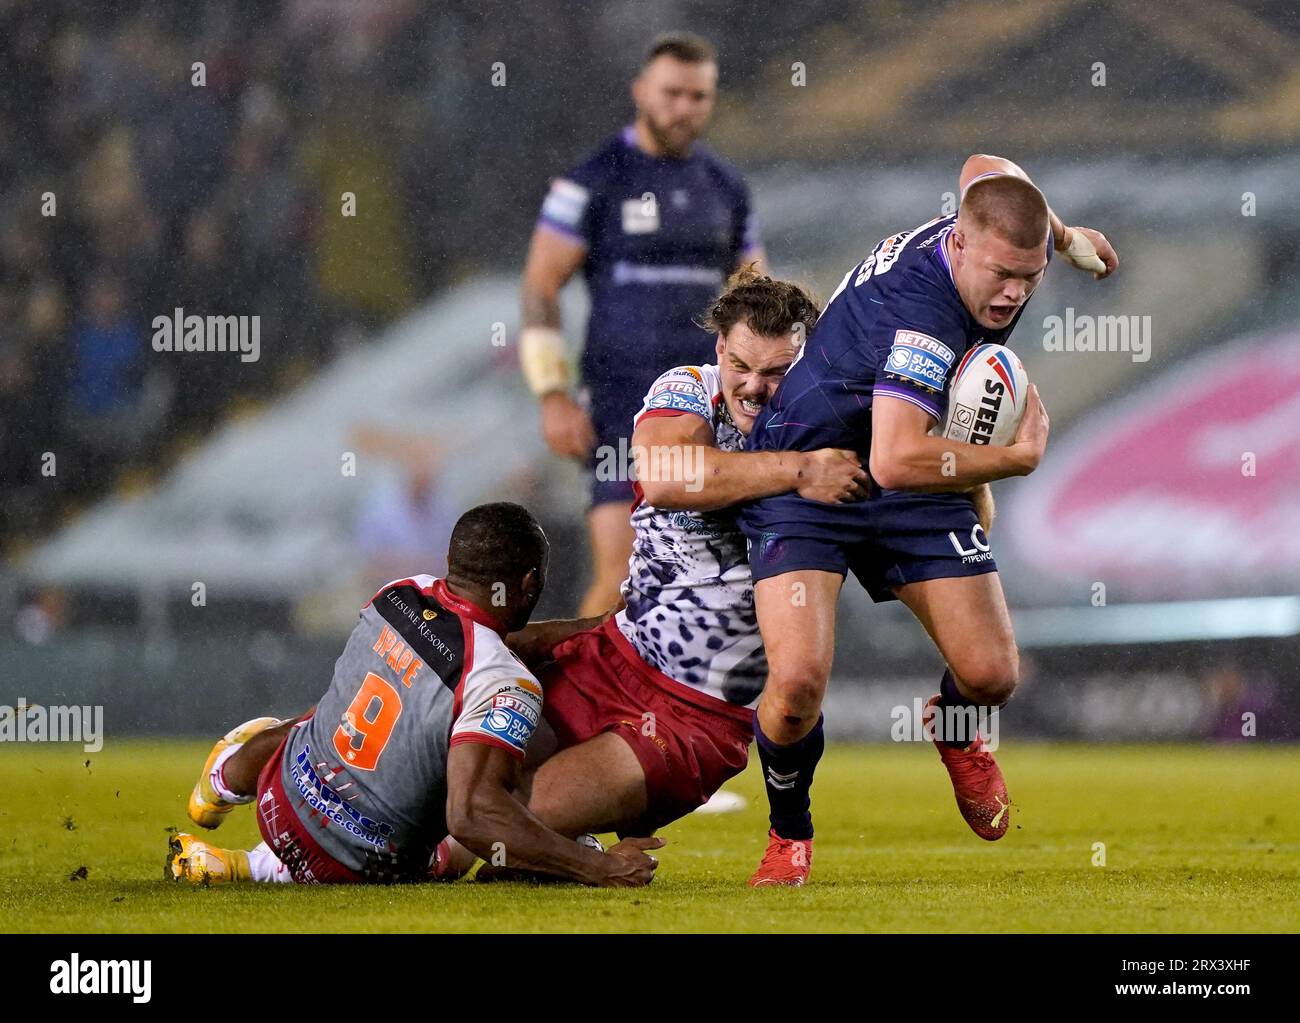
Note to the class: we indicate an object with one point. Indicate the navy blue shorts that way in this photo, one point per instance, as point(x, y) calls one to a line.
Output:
point(611, 492)
point(889, 540)
point(611, 462)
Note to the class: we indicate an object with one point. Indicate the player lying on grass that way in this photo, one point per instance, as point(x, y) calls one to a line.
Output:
point(420, 735)
point(872, 378)
point(653, 707)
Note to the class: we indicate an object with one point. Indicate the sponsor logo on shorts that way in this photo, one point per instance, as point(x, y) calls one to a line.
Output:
point(770, 547)
point(979, 550)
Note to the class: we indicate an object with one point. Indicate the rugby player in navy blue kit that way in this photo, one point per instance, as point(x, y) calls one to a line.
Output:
point(656, 222)
point(872, 378)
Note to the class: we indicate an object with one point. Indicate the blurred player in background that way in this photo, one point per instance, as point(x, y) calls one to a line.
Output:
point(872, 378)
point(421, 734)
point(656, 222)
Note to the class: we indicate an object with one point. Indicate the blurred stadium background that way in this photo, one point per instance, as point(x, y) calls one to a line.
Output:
point(391, 337)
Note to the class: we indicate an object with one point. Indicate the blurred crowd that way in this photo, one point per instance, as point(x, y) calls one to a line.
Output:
point(134, 182)
point(192, 155)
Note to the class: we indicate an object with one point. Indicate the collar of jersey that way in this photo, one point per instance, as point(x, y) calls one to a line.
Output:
point(628, 135)
point(942, 248)
point(443, 595)
point(724, 413)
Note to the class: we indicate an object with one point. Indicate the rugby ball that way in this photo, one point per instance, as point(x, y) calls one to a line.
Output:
point(987, 397)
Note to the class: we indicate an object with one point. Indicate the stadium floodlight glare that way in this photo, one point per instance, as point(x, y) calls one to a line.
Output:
point(1169, 622)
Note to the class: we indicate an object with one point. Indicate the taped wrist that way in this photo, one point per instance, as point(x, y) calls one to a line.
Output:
point(1082, 253)
point(543, 359)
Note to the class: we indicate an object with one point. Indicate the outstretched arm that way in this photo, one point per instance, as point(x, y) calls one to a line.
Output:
point(1082, 246)
point(679, 465)
point(485, 817)
point(534, 642)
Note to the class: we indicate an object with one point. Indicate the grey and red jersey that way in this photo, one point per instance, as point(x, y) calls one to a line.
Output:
point(422, 671)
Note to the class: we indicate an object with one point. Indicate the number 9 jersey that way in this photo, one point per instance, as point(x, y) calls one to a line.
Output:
point(366, 775)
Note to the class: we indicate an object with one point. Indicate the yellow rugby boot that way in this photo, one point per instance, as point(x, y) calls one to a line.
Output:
point(206, 808)
point(194, 860)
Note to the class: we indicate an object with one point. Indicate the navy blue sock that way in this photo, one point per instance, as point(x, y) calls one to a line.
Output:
point(949, 696)
point(788, 773)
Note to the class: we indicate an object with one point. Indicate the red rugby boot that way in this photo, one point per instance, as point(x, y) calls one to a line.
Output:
point(977, 783)
point(787, 862)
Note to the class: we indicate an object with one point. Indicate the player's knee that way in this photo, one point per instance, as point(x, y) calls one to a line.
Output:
point(797, 691)
point(992, 680)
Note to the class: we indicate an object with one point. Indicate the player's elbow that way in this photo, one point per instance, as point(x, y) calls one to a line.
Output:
point(460, 821)
point(888, 472)
point(469, 818)
point(679, 497)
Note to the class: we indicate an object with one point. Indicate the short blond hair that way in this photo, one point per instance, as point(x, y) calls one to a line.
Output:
point(1009, 206)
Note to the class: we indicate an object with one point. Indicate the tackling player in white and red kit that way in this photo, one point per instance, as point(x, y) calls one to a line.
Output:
point(655, 705)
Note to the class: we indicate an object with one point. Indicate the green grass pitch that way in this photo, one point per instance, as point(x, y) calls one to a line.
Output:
point(1197, 839)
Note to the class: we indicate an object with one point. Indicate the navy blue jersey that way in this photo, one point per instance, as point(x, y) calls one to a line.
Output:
point(896, 326)
point(662, 235)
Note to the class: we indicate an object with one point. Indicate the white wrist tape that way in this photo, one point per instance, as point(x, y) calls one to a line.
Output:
point(1082, 253)
point(543, 358)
